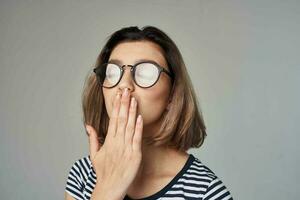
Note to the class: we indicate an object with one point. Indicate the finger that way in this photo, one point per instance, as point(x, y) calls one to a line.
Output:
point(123, 115)
point(138, 133)
point(93, 140)
point(131, 122)
point(112, 127)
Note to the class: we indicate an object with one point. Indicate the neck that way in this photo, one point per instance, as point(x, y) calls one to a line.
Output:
point(155, 161)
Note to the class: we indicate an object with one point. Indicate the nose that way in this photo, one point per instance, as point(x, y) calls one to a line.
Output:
point(126, 80)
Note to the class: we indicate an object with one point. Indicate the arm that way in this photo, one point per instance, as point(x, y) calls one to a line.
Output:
point(217, 190)
point(68, 197)
point(103, 194)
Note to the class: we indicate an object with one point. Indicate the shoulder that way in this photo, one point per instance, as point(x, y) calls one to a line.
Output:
point(208, 184)
point(200, 168)
point(81, 168)
point(81, 178)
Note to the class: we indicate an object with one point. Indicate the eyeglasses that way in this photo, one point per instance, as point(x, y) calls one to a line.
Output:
point(145, 74)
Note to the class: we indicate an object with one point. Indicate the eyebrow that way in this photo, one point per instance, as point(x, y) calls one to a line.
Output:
point(117, 61)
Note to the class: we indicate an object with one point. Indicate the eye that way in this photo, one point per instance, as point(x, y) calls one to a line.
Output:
point(112, 70)
point(146, 70)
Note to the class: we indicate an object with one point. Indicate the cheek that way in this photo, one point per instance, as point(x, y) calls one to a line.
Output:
point(107, 103)
point(153, 105)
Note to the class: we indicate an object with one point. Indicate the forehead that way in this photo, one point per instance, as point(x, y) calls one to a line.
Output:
point(133, 52)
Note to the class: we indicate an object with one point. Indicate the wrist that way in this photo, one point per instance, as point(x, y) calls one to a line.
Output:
point(102, 193)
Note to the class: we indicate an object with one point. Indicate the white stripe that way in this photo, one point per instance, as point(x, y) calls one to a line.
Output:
point(87, 193)
point(196, 162)
point(83, 171)
point(85, 165)
point(89, 188)
point(76, 177)
point(197, 172)
point(192, 176)
point(199, 168)
point(189, 187)
point(218, 195)
point(184, 193)
point(72, 182)
point(190, 181)
point(227, 197)
point(214, 189)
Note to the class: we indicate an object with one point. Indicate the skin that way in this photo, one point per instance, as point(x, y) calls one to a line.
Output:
point(152, 103)
point(154, 170)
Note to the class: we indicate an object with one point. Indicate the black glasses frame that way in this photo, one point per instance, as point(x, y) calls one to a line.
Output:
point(132, 71)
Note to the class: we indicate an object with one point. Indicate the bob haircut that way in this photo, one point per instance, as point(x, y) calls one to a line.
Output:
point(182, 126)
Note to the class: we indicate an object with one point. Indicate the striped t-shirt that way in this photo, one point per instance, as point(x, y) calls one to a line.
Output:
point(193, 181)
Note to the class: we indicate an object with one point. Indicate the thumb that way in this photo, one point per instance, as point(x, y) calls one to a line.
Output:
point(93, 140)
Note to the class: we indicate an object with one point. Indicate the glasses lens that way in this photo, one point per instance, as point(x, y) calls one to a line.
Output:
point(146, 74)
point(109, 74)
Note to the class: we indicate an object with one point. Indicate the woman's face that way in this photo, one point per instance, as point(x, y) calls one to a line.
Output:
point(151, 102)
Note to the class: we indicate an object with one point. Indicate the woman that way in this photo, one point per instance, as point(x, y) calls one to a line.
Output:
point(141, 116)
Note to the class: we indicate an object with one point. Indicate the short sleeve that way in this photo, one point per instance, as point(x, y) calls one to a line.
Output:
point(74, 185)
point(216, 190)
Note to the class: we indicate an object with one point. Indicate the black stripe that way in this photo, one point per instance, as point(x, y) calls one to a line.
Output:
point(88, 191)
point(187, 190)
point(88, 184)
point(204, 179)
point(93, 181)
point(223, 196)
point(77, 181)
point(182, 196)
point(215, 192)
point(214, 185)
point(92, 174)
point(84, 168)
point(80, 171)
point(168, 187)
point(190, 190)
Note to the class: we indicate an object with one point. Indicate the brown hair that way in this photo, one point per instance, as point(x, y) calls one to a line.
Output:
point(183, 125)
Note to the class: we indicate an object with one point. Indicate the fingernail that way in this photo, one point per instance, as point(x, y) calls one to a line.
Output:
point(132, 102)
point(118, 95)
point(125, 92)
point(139, 120)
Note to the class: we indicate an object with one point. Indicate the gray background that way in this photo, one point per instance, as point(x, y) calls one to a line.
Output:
point(242, 56)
